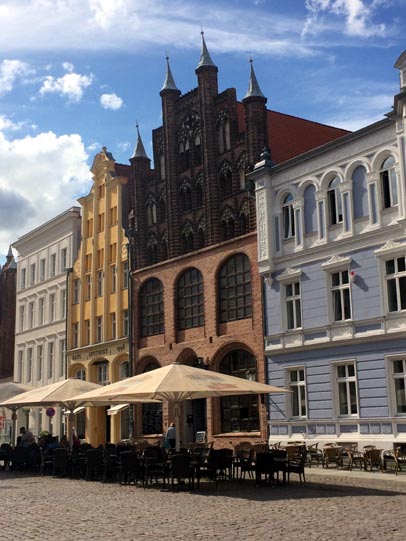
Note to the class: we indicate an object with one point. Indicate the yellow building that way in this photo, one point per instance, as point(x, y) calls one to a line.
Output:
point(97, 325)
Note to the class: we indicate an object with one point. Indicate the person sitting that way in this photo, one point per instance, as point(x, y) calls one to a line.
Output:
point(27, 437)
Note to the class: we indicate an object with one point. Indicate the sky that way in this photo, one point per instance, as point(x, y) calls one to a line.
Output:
point(77, 75)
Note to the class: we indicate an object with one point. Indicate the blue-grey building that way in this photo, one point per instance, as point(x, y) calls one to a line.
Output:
point(332, 253)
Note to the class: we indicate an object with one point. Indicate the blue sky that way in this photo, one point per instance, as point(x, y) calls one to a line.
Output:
point(76, 75)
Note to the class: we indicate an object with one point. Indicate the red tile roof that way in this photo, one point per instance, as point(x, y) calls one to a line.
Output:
point(289, 136)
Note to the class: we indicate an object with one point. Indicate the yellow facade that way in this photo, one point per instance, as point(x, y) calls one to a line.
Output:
point(97, 326)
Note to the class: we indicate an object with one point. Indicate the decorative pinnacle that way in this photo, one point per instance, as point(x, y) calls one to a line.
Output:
point(139, 151)
point(205, 59)
point(169, 83)
point(254, 90)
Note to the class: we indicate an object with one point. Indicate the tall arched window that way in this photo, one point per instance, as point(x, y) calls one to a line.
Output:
point(164, 247)
point(288, 217)
point(239, 413)
point(81, 374)
point(200, 238)
point(389, 185)
point(199, 191)
point(124, 370)
point(152, 250)
point(223, 132)
point(185, 197)
point(226, 180)
point(162, 208)
point(197, 150)
point(151, 209)
point(235, 289)
point(360, 192)
point(190, 299)
point(151, 308)
point(227, 223)
point(310, 209)
point(187, 237)
point(151, 413)
point(334, 202)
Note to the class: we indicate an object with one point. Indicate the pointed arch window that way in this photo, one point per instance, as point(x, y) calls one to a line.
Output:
point(239, 413)
point(244, 218)
point(242, 171)
point(199, 192)
point(162, 208)
point(223, 132)
point(197, 150)
point(334, 202)
point(187, 237)
point(151, 308)
point(190, 300)
point(201, 238)
point(227, 224)
point(164, 247)
point(235, 289)
point(152, 250)
point(151, 209)
point(389, 185)
point(288, 217)
point(226, 180)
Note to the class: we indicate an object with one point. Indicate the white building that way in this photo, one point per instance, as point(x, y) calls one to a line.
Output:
point(45, 257)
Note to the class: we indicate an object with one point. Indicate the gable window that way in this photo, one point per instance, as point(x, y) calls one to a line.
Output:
point(152, 308)
point(341, 298)
point(297, 386)
point(190, 299)
point(346, 386)
point(395, 277)
point(239, 413)
point(389, 183)
point(288, 217)
point(235, 289)
point(334, 202)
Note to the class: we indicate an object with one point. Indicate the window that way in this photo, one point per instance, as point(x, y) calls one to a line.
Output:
point(100, 258)
point(297, 386)
point(152, 308)
point(100, 222)
point(41, 310)
point(223, 133)
point(341, 299)
point(151, 210)
point(112, 252)
point(89, 227)
point(395, 277)
point(22, 317)
point(88, 262)
point(239, 413)
point(113, 270)
point(42, 270)
point(293, 306)
point(22, 278)
point(99, 281)
point(76, 287)
point(102, 373)
point(389, 183)
point(75, 335)
point(190, 300)
point(125, 274)
point(113, 216)
point(288, 217)
point(40, 360)
point(113, 325)
point(29, 364)
point(62, 349)
point(346, 389)
point(52, 305)
point(226, 180)
point(87, 331)
point(81, 374)
point(50, 359)
point(101, 191)
point(124, 370)
point(125, 322)
point(88, 286)
point(20, 365)
point(64, 259)
point(99, 329)
point(334, 202)
point(63, 303)
point(235, 289)
point(31, 314)
point(399, 381)
point(53, 264)
point(32, 274)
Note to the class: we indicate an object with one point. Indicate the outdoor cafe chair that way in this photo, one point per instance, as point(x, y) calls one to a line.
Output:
point(372, 458)
point(264, 466)
point(47, 461)
point(244, 462)
point(314, 454)
point(60, 462)
point(297, 465)
point(94, 464)
point(391, 460)
point(131, 468)
point(155, 464)
point(181, 469)
point(217, 467)
point(331, 455)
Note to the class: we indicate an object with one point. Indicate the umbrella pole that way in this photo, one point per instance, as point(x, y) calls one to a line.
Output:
point(177, 425)
point(14, 419)
point(70, 428)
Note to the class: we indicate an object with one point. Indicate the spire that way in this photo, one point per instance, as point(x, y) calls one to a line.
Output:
point(139, 151)
point(10, 254)
point(205, 59)
point(169, 83)
point(253, 88)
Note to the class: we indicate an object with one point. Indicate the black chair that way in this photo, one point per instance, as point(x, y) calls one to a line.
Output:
point(280, 461)
point(131, 469)
point(154, 462)
point(6, 455)
point(94, 464)
point(244, 462)
point(217, 467)
point(264, 465)
point(297, 465)
point(181, 469)
point(60, 462)
point(111, 463)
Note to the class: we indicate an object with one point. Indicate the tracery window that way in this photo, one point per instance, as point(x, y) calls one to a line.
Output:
point(187, 236)
point(185, 197)
point(152, 250)
point(235, 289)
point(151, 209)
point(226, 179)
point(189, 137)
point(199, 191)
point(227, 223)
point(223, 132)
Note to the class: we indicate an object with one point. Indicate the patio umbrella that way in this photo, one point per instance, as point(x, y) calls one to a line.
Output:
point(175, 383)
point(9, 389)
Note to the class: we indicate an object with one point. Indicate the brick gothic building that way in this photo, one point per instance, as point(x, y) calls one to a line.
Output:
point(8, 281)
point(196, 288)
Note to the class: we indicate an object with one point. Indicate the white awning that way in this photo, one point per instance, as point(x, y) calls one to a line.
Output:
point(115, 409)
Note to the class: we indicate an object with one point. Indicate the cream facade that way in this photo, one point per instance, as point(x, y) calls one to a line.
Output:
point(98, 298)
point(45, 256)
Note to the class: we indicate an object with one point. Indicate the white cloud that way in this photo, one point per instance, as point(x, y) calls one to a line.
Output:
point(70, 85)
point(358, 16)
point(55, 165)
point(67, 66)
point(123, 146)
point(111, 101)
point(10, 70)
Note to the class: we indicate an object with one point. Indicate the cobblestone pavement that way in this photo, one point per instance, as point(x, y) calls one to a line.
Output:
point(333, 505)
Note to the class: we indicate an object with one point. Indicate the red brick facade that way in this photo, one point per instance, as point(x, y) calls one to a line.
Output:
point(193, 211)
point(8, 281)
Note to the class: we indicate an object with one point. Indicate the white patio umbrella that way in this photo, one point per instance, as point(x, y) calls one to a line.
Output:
point(55, 394)
point(9, 389)
point(175, 383)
